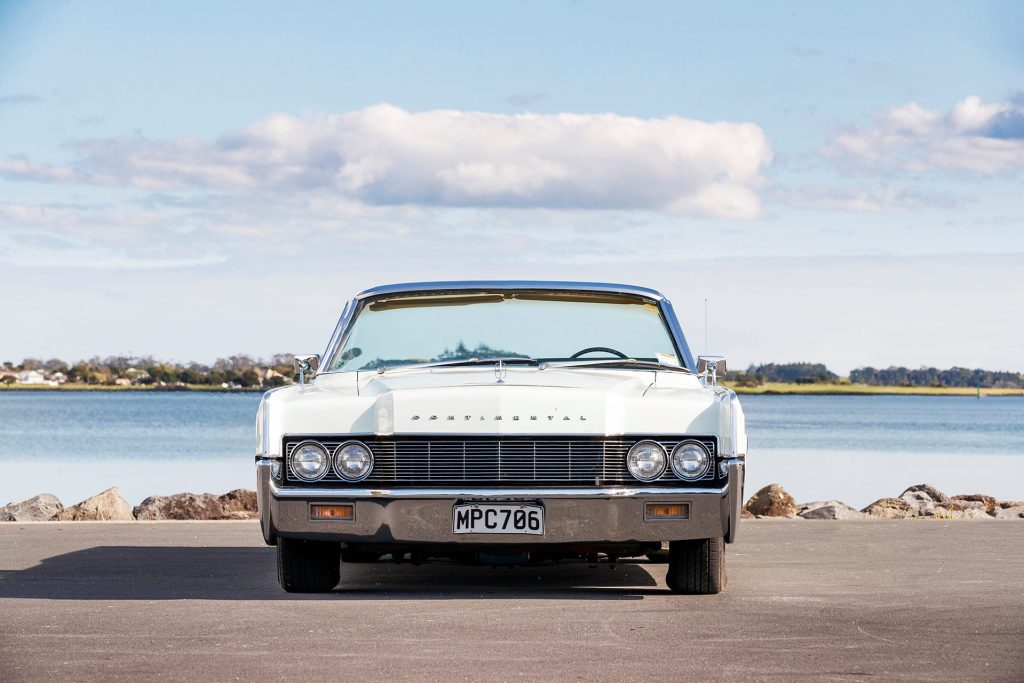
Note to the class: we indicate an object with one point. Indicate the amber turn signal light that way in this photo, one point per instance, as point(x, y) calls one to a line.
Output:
point(667, 511)
point(344, 513)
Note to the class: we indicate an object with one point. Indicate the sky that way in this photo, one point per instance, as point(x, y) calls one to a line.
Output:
point(841, 183)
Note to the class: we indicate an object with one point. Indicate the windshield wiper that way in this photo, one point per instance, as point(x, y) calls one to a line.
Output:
point(611, 362)
point(454, 363)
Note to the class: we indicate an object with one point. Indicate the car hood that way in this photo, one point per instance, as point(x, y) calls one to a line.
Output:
point(594, 401)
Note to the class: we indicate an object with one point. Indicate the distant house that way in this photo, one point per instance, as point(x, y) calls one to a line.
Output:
point(34, 377)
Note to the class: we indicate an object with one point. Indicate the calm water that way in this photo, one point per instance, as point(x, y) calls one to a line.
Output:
point(849, 447)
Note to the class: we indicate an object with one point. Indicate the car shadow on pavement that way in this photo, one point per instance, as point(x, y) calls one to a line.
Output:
point(244, 573)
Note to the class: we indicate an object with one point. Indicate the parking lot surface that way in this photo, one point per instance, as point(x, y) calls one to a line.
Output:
point(822, 600)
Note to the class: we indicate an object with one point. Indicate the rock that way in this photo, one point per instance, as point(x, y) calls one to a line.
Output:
point(772, 501)
point(1011, 504)
point(891, 508)
point(989, 504)
point(237, 504)
point(970, 513)
point(35, 509)
point(746, 514)
point(956, 505)
point(920, 501)
point(180, 506)
point(804, 507)
point(833, 510)
point(1015, 512)
point(933, 493)
point(108, 505)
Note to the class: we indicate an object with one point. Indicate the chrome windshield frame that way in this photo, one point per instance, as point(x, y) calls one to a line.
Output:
point(353, 307)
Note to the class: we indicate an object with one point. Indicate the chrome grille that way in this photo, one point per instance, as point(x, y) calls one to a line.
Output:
point(506, 460)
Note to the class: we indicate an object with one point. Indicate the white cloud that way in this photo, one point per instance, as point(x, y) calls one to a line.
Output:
point(384, 155)
point(973, 137)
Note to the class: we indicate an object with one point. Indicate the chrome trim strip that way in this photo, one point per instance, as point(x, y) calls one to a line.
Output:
point(669, 314)
point(600, 492)
point(404, 287)
point(499, 435)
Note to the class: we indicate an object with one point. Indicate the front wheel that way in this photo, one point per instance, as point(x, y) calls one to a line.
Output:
point(696, 567)
point(308, 566)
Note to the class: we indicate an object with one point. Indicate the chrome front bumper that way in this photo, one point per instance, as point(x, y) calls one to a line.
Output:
point(597, 515)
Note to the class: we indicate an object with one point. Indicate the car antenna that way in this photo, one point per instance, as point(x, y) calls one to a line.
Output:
point(705, 325)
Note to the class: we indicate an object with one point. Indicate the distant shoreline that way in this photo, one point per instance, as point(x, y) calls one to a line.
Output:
point(844, 389)
point(768, 388)
point(188, 388)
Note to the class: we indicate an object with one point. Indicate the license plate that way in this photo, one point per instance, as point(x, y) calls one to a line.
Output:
point(499, 518)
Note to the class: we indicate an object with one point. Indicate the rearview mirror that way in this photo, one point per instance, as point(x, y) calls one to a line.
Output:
point(709, 367)
point(307, 365)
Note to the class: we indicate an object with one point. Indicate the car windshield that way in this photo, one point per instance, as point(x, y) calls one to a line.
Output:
point(542, 326)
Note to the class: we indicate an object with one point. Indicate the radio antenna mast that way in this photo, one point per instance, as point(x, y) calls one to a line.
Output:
point(705, 325)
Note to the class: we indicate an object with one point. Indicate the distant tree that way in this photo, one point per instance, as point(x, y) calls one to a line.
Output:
point(932, 377)
point(249, 378)
point(800, 373)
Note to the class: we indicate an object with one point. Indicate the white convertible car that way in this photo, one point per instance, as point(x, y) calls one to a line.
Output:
point(502, 423)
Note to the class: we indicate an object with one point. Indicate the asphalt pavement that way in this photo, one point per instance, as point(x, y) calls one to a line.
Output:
point(805, 600)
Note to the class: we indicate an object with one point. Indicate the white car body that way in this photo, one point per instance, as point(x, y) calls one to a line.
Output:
point(502, 406)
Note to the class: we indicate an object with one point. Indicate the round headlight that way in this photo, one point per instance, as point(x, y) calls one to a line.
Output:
point(309, 461)
point(690, 460)
point(353, 461)
point(646, 460)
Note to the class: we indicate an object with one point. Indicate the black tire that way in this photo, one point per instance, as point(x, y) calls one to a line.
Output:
point(696, 567)
point(358, 555)
point(308, 566)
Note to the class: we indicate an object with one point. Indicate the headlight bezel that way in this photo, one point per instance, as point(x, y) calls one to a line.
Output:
point(660, 470)
point(341, 472)
point(323, 470)
point(699, 474)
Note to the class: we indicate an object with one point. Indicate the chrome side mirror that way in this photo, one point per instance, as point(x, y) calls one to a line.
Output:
point(307, 365)
point(708, 368)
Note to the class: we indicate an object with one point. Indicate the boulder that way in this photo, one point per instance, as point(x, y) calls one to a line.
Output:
point(108, 505)
point(804, 507)
point(239, 504)
point(772, 501)
point(1016, 512)
point(920, 501)
point(970, 513)
point(35, 509)
point(833, 510)
point(989, 504)
point(933, 493)
point(746, 514)
point(1011, 504)
point(891, 508)
point(954, 505)
point(180, 506)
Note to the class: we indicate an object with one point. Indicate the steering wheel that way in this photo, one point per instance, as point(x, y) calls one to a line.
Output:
point(594, 349)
